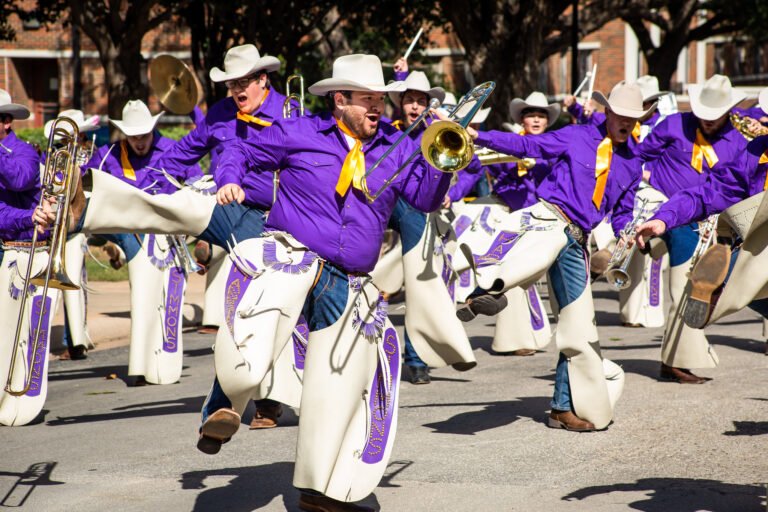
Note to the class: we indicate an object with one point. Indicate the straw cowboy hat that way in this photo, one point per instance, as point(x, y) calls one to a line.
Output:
point(418, 81)
point(137, 120)
point(241, 61)
point(15, 110)
point(84, 125)
point(714, 98)
point(649, 85)
point(625, 100)
point(536, 101)
point(355, 72)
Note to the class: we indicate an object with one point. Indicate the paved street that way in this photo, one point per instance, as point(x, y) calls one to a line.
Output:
point(474, 441)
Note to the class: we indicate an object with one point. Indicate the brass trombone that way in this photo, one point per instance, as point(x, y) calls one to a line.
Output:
point(445, 145)
point(59, 181)
point(289, 109)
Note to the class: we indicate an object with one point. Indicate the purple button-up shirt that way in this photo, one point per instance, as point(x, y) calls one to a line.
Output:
point(310, 151)
point(146, 168)
point(516, 191)
point(727, 184)
point(571, 181)
point(577, 111)
point(213, 136)
point(668, 149)
point(19, 187)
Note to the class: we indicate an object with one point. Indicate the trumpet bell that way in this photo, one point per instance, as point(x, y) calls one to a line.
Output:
point(447, 146)
point(618, 278)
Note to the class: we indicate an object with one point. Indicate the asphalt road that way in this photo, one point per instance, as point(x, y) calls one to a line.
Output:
point(473, 441)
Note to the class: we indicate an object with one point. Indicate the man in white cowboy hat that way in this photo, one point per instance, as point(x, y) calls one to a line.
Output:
point(250, 109)
point(594, 172)
point(75, 335)
point(19, 196)
point(679, 154)
point(735, 189)
point(155, 268)
point(522, 327)
point(323, 238)
point(430, 314)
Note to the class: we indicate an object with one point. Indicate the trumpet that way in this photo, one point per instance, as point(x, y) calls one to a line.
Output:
point(445, 145)
point(183, 257)
point(289, 109)
point(58, 181)
point(617, 273)
point(742, 124)
point(488, 156)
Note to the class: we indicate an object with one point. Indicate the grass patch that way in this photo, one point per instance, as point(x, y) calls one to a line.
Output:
point(98, 273)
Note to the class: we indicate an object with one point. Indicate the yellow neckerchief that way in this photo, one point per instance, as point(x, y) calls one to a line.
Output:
point(398, 124)
point(636, 132)
point(602, 166)
point(702, 150)
point(353, 170)
point(248, 118)
point(521, 169)
point(128, 171)
point(764, 160)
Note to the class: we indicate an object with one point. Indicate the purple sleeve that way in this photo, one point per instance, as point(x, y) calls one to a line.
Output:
point(653, 145)
point(577, 111)
point(19, 170)
point(184, 155)
point(14, 221)
point(549, 145)
point(623, 212)
point(725, 185)
point(401, 75)
point(241, 154)
point(465, 183)
point(197, 116)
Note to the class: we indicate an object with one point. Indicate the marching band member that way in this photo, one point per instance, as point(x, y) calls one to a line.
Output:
point(678, 154)
point(741, 274)
point(156, 269)
point(430, 321)
point(19, 194)
point(594, 172)
point(251, 108)
point(76, 337)
point(586, 114)
point(523, 326)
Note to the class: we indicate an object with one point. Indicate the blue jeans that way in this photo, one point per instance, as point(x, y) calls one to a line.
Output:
point(410, 223)
point(568, 277)
point(681, 242)
point(233, 221)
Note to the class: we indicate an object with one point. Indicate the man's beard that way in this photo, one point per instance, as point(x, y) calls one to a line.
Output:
point(358, 125)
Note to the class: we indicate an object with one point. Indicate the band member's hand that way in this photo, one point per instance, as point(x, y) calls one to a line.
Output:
point(447, 201)
point(589, 108)
point(401, 66)
point(648, 230)
point(569, 100)
point(45, 215)
point(646, 176)
point(753, 124)
point(229, 193)
point(114, 255)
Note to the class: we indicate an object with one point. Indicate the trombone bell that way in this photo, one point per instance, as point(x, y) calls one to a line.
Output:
point(447, 146)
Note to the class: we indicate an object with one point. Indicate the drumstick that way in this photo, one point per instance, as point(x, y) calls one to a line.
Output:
point(413, 44)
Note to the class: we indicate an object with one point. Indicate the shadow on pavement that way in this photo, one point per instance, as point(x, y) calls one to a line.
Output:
point(190, 404)
point(683, 495)
point(744, 344)
point(247, 489)
point(748, 428)
point(36, 474)
point(492, 415)
point(645, 367)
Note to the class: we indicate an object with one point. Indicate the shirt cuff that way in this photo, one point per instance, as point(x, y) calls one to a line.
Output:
point(400, 76)
point(668, 217)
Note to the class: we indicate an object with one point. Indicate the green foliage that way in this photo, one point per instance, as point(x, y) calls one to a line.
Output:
point(34, 136)
point(174, 132)
point(98, 273)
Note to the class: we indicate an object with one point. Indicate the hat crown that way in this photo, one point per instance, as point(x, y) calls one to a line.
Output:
point(649, 85)
point(417, 81)
point(76, 115)
point(136, 113)
point(240, 57)
point(627, 96)
point(361, 68)
point(537, 99)
point(5, 98)
point(450, 99)
point(716, 92)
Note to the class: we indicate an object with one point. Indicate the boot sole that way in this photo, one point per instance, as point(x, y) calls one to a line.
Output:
point(221, 425)
point(553, 423)
point(707, 276)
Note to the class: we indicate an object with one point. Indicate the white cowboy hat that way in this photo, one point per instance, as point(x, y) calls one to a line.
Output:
point(449, 100)
point(714, 98)
point(480, 116)
point(418, 81)
point(355, 72)
point(625, 100)
point(649, 85)
point(763, 100)
point(15, 110)
point(83, 124)
point(536, 100)
point(241, 61)
point(137, 120)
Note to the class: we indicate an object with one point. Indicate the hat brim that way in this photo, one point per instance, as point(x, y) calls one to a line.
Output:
point(655, 96)
point(132, 131)
point(327, 85)
point(706, 113)
point(266, 63)
point(435, 92)
point(15, 110)
point(622, 111)
point(517, 105)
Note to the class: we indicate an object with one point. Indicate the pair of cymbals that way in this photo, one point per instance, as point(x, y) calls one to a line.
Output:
point(174, 84)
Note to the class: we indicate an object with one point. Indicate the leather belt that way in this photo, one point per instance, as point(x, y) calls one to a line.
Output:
point(24, 245)
point(573, 230)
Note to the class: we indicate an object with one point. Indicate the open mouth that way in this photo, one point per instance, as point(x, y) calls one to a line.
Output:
point(241, 98)
point(373, 118)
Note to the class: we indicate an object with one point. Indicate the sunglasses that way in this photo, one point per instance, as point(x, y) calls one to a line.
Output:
point(242, 83)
